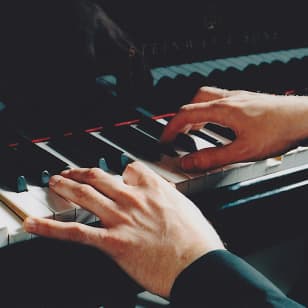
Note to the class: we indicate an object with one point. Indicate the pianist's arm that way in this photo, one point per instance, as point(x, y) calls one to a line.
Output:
point(160, 238)
point(265, 125)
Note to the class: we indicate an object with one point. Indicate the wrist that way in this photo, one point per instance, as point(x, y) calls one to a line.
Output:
point(186, 260)
point(297, 120)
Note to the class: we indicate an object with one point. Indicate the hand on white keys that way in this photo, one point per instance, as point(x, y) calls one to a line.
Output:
point(265, 125)
point(149, 228)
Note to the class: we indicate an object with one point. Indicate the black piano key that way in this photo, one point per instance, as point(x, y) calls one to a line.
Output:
point(153, 132)
point(12, 175)
point(155, 128)
point(185, 142)
point(94, 151)
point(14, 183)
point(220, 130)
point(206, 137)
point(75, 149)
point(38, 162)
point(103, 164)
point(21, 184)
point(134, 141)
point(45, 176)
point(25, 161)
point(124, 161)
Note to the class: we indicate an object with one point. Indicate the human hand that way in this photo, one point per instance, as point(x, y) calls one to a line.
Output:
point(265, 125)
point(150, 229)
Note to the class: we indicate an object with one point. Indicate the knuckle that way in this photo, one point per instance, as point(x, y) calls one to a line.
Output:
point(185, 108)
point(126, 195)
point(75, 232)
point(137, 169)
point(135, 166)
point(155, 183)
point(46, 228)
point(93, 174)
point(130, 169)
point(200, 91)
point(82, 191)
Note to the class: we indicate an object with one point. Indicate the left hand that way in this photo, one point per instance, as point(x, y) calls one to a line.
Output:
point(150, 229)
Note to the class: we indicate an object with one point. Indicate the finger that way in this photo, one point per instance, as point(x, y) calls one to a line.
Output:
point(207, 94)
point(70, 231)
point(138, 174)
point(85, 196)
point(108, 184)
point(191, 114)
point(211, 158)
point(198, 126)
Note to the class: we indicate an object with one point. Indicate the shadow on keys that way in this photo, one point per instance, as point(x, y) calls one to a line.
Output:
point(51, 53)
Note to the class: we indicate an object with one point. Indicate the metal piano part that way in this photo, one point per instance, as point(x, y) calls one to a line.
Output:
point(204, 68)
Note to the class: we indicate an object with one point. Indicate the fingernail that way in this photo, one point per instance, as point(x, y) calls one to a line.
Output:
point(54, 179)
point(187, 163)
point(30, 224)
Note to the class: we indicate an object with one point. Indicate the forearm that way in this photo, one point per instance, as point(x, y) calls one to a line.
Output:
point(221, 279)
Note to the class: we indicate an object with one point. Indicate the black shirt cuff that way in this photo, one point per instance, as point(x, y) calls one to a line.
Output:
point(221, 279)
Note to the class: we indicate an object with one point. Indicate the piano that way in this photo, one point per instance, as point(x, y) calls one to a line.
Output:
point(35, 144)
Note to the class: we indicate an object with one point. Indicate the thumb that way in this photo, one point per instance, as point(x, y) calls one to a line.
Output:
point(211, 158)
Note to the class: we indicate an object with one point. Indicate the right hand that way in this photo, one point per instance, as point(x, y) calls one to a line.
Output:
point(265, 125)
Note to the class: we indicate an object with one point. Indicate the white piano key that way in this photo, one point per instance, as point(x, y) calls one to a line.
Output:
point(218, 137)
point(24, 204)
point(296, 157)
point(234, 172)
point(4, 233)
point(84, 216)
point(12, 230)
point(62, 209)
point(19, 235)
point(201, 143)
point(291, 159)
point(167, 167)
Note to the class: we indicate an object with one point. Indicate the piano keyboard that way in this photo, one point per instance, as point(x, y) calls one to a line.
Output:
point(30, 165)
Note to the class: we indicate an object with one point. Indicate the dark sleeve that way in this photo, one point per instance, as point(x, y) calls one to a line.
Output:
point(221, 279)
